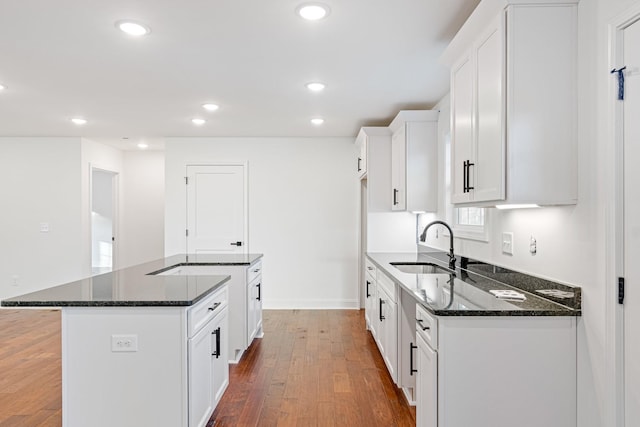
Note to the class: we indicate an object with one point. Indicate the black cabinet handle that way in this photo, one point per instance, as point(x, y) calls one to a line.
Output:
point(395, 196)
point(217, 334)
point(380, 312)
point(359, 161)
point(411, 348)
point(466, 186)
point(259, 287)
point(214, 306)
point(368, 294)
point(236, 243)
point(464, 176)
point(424, 328)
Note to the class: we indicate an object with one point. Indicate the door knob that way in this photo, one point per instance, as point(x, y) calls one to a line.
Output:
point(236, 243)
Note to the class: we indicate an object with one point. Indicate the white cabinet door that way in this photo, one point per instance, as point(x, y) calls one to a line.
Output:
point(398, 170)
point(201, 400)
point(461, 129)
point(487, 175)
point(426, 385)
point(388, 331)
point(216, 209)
point(254, 308)
point(219, 357)
point(361, 141)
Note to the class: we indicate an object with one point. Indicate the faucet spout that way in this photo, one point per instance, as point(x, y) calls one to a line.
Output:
point(452, 258)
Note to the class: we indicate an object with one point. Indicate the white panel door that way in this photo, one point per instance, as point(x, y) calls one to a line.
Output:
point(216, 209)
point(632, 225)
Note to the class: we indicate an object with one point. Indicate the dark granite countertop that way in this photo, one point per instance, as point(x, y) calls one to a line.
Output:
point(134, 286)
point(465, 291)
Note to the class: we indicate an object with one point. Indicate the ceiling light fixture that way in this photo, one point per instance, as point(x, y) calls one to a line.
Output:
point(313, 11)
point(317, 121)
point(316, 86)
point(143, 145)
point(2, 87)
point(210, 107)
point(79, 121)
point(133, 28)
point(198, 122)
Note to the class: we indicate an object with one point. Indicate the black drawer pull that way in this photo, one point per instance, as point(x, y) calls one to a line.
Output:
point(424, 328)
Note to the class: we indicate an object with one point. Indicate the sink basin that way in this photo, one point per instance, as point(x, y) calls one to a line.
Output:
point(419, 268)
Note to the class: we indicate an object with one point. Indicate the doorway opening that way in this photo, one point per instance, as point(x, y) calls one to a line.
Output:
point(103, 220)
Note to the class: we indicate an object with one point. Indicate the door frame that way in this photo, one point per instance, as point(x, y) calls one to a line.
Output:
point(115, 195)
point(614, 226)
point(245, 169)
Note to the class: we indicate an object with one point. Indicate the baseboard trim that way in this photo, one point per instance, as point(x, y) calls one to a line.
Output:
point(310, 305)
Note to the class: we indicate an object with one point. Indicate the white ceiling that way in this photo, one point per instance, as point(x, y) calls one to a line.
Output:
point(65, 58)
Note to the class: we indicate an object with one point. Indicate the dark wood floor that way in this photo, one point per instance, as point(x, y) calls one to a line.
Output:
point(312, 368)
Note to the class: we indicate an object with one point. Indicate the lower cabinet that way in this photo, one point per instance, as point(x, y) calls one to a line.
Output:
point(254, 304)
point(370, 303)
point(387, 328)
point(490, 371)
point(208, 366)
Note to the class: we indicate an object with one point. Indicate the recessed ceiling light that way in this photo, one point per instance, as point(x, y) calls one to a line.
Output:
point(79, 121)
point(2, 87)
point(313, 11)
point(133, 28)
point(198, 122)
point(317, 121)
point(210, 107)
point(316, 86)
point(143, 145)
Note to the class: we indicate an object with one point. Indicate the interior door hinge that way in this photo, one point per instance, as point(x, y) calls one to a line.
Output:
point(186, 180)
point(186, 232)
point(620, 290)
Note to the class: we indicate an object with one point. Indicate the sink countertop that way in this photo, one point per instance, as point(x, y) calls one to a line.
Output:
point(467, 293)
point(134, 286)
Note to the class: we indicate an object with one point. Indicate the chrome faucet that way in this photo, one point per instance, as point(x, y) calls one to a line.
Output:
point(452, 258)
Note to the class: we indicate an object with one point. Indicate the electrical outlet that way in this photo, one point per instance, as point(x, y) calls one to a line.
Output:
point(124, 343)
point(507, 243)
point(15, 278)
point(44, 227)
point(533, 246)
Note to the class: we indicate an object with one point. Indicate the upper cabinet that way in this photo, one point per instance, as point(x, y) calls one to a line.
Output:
point(374, 166)
point(361, 142)
point(513, 104)
point(414, 161)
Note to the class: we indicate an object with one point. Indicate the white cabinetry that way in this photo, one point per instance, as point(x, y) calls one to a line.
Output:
point(254, 301)
point(378, 177)
point(371, 298)
point(513, 104)
point(489, 371)
point(207, 354)
point(169, 377)
point(387, 329)
point(407, 345)
point(414, 162)
point(361, 142)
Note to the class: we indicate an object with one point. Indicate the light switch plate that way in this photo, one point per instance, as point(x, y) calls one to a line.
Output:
point(507, 243)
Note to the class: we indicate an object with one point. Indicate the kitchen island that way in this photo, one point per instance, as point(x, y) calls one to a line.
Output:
point(143, 348)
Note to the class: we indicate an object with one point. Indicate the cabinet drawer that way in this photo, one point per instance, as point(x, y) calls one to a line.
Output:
point(254, 271)
point(388, 285)
point(199, 314)
point(427, 326)
point(369, 267)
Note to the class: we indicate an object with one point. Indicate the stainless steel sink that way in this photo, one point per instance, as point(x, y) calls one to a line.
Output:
point(419, 268)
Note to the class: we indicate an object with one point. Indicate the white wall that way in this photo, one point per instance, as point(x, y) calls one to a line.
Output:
point(142, 222)
point(40, 184)
point(303, 197)
point(570, 239)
